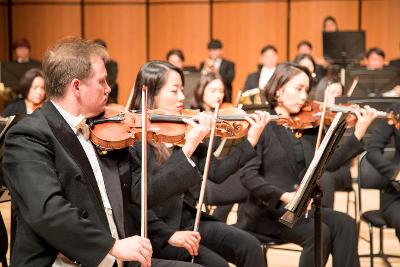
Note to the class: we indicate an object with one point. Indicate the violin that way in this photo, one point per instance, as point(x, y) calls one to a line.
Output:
point(310, 116)
point(119, 128)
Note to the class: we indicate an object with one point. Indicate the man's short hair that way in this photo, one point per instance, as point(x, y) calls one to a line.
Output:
point(176, 52)
point(306, 43)
point(268, 47)
point(214, 44)
point(375, 50)
point(69, 59)
point(22, 42)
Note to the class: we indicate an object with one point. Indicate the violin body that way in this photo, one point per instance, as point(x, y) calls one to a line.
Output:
point(119, 128)
point(310, 116)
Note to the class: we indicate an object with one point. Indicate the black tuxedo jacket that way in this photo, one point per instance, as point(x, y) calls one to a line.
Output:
point(179, 211)
point(227, 72)
point(252, 81)
point(274, 172)
point(381, 136)
point(395, 62)
point(57, 202)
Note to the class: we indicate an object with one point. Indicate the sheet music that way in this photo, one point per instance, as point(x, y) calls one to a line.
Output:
point(313, 165)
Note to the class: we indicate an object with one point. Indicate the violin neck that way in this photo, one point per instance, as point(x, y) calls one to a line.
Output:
point(344, 109)
point(276, 117)
point(178, 118)
point(167, 118)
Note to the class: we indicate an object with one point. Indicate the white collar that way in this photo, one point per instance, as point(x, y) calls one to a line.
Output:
point(71, 119)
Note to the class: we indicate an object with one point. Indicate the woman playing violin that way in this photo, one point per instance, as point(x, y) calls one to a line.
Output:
point(209, 92)
point(171, 223)
point(275, 174)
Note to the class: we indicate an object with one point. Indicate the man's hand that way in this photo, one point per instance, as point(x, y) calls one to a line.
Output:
point(201, 125)
point(134, 248)
point(189, 240)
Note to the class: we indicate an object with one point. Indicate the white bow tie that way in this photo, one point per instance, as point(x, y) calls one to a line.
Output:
point(82, 128)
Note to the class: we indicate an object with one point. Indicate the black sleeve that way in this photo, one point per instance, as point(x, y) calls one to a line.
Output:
point(174, 177)
point(159, 231)
point(248, 83)
point(254, 182)
point(229, 73)
point(348, 149)
point(221, 169)
point(378, 141)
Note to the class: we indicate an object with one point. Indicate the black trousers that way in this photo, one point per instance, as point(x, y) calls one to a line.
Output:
point(392, 216)
point(163, 263)
point(220, 243)
point(222, 212)
point(339, 238)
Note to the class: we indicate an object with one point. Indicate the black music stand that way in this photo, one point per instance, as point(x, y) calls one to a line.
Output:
point(12, 72)
point(309, 186)
point(343, 48)
point(372, 83)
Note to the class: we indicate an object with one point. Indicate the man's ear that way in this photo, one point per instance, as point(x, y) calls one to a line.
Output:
point(75, 85)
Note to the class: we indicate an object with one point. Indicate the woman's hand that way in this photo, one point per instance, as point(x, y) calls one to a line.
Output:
point(287, 197)
point(201, 126)
point(258, 121)
point(189, 240)
point(365, 117)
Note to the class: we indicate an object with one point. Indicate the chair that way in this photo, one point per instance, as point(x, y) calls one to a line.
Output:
point(370, 178)
point(232, 191)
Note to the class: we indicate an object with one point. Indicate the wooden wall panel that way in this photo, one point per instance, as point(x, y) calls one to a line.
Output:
point(244, 28)
point(123, 27)
point(42, 25)
point(381, 20)
point(184, 26)
point(3, 31)
point(307, 18)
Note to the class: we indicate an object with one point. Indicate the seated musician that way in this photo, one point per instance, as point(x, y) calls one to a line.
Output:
point(67, 198)
point(283, 157)
point(171, 223)
point(390, 198)
point(268, 60)
point(32, 91)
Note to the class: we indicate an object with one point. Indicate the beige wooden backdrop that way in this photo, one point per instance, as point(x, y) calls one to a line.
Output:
point(133, 28)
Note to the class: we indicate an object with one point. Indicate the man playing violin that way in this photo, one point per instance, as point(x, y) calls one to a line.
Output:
point(68, 199)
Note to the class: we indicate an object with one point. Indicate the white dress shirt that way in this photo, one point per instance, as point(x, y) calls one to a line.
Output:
point(265, 75)
point(90, 152)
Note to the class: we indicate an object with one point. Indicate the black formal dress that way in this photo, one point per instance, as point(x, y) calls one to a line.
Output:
point(219, 242)
point(390, 197)
point(227, 72)
point(280, 165)
point(56, 197)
